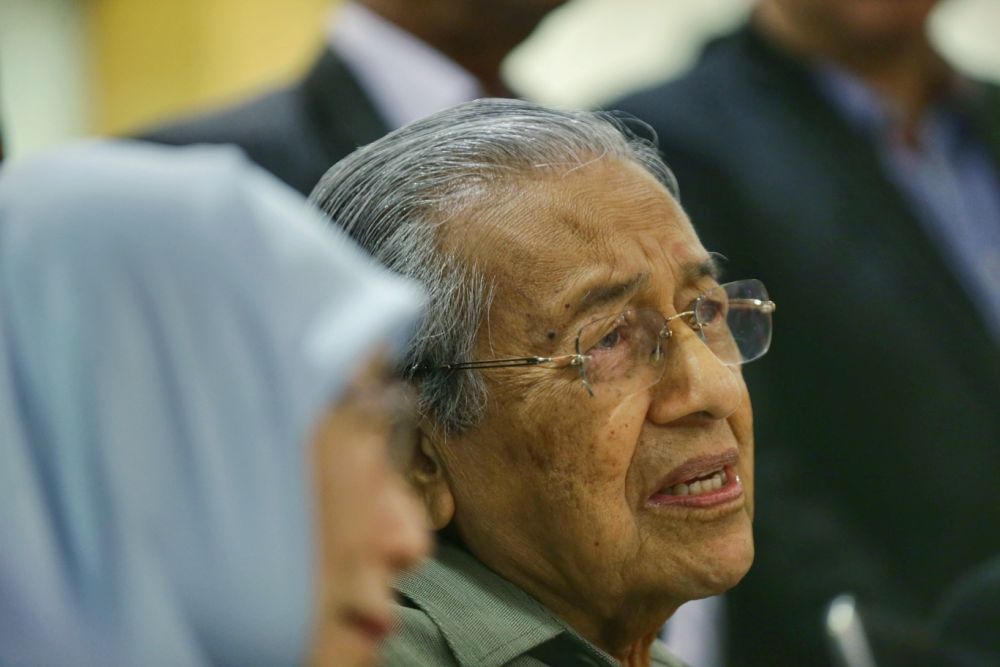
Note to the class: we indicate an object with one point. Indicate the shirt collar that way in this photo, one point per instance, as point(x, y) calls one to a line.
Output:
point(859, 103)
point(870, 112)
point(498, 621)
point(406, 78)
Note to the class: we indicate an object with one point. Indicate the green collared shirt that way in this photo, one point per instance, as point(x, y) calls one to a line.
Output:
point(461, 614)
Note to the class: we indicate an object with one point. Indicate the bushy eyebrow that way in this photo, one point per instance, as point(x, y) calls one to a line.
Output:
point(708, 268)
point(601, 295)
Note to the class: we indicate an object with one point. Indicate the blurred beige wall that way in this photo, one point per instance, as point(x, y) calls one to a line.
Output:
point(71, 67)
point(593, 51)
point(43, 80)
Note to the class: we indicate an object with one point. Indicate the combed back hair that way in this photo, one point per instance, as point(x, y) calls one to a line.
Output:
point(397, 196)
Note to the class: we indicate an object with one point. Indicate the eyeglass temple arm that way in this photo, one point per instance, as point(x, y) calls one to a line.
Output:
point(563, 360)
point(761, 305)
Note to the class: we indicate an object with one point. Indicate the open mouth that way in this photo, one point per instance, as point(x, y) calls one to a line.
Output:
point(701, 483)
point(695, 487)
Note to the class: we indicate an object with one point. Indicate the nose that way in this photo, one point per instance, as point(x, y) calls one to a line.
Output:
point(403, 538)
point(695, 383)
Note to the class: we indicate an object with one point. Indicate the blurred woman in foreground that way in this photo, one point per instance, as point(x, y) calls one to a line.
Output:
point(194, 418)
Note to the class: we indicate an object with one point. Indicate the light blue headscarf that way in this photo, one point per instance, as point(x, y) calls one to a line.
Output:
point(173, 322)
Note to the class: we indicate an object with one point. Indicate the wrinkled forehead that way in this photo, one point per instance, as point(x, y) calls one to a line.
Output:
point(590, 210)
point(602, 223)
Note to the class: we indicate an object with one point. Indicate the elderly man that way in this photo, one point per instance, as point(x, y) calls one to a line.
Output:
point(586, 449)
point(388, 62)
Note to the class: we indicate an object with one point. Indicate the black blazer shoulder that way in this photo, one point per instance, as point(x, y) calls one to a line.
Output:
point(296, 132)
point(759, 151)
point(741, 81)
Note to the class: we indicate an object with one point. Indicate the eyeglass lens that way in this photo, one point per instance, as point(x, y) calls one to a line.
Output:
point(625, 353)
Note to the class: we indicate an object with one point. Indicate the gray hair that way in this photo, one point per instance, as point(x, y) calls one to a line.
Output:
point(397, 196)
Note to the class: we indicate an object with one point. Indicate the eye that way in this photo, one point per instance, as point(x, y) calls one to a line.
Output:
point(710, 311)
point(608, 338)
point(609, 341)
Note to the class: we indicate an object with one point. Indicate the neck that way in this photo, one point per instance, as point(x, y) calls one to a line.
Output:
point(628, 637)
point(481, 52)
point(638, 655)
point(624, 630)
point(908, 72)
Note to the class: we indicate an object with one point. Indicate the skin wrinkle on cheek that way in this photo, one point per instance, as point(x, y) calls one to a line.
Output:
point(537, 410)
point(570, 470)
point(614, 424)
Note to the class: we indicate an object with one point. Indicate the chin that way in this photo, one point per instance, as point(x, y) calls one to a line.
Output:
point(733, 568)
point(723, 562)
point(344, 647)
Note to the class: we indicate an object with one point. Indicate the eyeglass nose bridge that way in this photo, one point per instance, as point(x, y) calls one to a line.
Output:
point(666, 333)
point(695, 323)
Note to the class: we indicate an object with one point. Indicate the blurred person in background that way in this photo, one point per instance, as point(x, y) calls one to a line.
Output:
point(583, 494)
point(827, 148)
point(387, 63)
point(194, 418)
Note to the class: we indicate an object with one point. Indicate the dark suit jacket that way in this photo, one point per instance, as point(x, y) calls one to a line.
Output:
point(878, 409)
point(296, 132)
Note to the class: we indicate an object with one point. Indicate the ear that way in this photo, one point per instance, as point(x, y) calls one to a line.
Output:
point(427, 476)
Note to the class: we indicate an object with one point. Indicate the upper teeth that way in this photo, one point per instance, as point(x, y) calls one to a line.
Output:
point(704, 485)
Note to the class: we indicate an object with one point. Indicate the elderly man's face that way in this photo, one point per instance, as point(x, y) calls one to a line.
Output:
point(559, 491)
